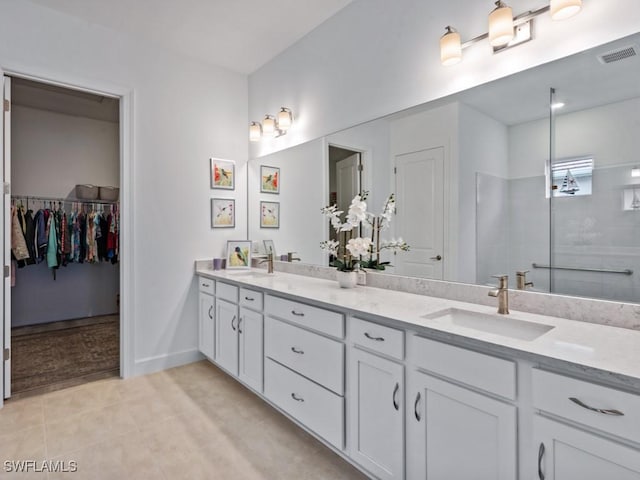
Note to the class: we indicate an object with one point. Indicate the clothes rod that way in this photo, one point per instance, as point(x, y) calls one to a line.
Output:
point(581, 269)
point(61, 200)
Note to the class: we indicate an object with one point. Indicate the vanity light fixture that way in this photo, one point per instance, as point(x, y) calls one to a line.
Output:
point(635, 172)
point(271, 126)
point(505, 30)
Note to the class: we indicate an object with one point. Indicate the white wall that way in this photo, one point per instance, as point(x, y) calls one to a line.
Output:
point(377, 57)
point(51, 153)
point(183, 113)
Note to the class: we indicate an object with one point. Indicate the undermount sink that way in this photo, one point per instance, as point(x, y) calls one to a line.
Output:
point(503, 325)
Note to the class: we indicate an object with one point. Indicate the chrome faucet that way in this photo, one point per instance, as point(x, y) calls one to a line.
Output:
point(291, 258)
point(269, 261)
point(521, 280)
point(502, 293)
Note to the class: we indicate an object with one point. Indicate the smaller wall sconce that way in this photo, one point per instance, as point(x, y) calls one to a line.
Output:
point(271, 126)
point(505, 30)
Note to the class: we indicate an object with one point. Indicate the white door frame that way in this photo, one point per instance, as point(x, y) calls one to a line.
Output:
point(126, 250)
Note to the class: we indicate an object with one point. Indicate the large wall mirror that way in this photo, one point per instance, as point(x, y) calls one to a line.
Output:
point(537, 172)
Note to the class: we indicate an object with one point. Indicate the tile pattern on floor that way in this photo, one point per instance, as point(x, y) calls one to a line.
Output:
point(191, 422)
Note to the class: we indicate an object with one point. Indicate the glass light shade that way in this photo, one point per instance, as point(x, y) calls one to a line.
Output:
point(269, 126)
point(285, 119)
point(255, 132)
point(500, 25)
point(563, 9)
point(450, 48)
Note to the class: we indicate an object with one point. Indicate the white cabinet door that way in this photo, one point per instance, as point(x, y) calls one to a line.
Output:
point(251, 357)
point(568, 453)
point(455, 433)
point(206, 325)
point(376, 414)
point(227, 336)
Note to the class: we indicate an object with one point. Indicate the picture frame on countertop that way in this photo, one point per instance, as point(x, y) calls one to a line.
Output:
point(269, 247)
point(238, 254)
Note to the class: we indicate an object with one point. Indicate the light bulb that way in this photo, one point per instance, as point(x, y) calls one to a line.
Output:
point(450, 47)
point(500, 25)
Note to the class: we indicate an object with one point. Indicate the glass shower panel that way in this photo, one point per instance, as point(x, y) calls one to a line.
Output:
point(595, 208)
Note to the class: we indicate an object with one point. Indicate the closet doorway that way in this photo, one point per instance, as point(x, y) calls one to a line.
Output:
point(64, 298)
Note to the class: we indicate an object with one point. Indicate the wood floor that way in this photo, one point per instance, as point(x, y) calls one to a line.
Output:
point(62, 354)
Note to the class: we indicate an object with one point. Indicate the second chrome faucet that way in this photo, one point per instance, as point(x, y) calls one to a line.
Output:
point(502, 293)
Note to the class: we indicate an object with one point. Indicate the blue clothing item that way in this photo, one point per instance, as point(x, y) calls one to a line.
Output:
point(41, 234)
point(52, 248)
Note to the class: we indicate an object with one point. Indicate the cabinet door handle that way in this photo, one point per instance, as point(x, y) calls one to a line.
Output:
point(239, 325)
point(437, 258)
point(295, 350)
point(233, 326)
point(540, 457)
point(297, 314)
point(206, 285)
point(249, 299)
point(415, 407)
point(210, 308)
point(396, 405)
point(297, 398)
point(616, 413)
point(377, 339)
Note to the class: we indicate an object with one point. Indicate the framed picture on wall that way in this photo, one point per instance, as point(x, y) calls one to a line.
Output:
point(269, 247)
point(269, 214)
point(269, 179)
point(223, 174)
point(223, 213)
point(238, 254)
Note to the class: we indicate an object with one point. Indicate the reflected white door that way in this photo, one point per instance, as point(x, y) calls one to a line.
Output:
point(6, 237)
point(420, 213)
point(347, 181)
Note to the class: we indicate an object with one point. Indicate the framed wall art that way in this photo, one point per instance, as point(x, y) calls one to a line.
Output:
point(238, 254)
point(223, 213)
point(223, 174)
point(269, 214)
point(269, 179)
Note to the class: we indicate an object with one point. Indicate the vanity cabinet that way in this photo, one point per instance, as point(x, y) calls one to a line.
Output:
point(453, 430)
point(206, 323)
point(376, 413)
point(571, 450)
point(250, 354)
point(227, 335)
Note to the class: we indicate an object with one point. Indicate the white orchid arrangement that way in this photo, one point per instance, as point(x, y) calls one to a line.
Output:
point(348, 251)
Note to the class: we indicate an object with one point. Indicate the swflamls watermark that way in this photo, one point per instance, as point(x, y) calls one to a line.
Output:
point(40, 466)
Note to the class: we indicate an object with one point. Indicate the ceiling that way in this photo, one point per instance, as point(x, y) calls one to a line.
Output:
point(241, 35)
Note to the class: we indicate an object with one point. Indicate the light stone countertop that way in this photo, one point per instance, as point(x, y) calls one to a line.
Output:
point(611, 353)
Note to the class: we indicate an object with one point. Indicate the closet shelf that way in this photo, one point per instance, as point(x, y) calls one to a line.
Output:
point(60, 199)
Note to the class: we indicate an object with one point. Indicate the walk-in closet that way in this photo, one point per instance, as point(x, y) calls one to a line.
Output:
point(64, 227)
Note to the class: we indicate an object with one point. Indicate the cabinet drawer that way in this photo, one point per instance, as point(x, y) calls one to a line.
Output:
point(251, 299)
point(206, 285)
point(318, 358)
point(485, 372)
point(227, 291)
point(388, 341)
point(326, 321)
point(553, 393)
point(313, 406)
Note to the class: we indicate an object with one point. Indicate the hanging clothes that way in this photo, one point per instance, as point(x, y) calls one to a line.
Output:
point(18, 242)
point(52, 247)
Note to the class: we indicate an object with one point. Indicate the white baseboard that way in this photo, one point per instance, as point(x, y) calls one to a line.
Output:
point(148, 365)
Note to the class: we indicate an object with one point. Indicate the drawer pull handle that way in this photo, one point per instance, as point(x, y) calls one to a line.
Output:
point(297, 314)
point(210, 308)
point(377, 339)
point(396, 405)
point(415, 407)
point(249, 299)
point(540, 457)
point(233, 326)
point(295, 350)
point(206, 285)
point(297, 398)
point(239, 324)
point(616, 413)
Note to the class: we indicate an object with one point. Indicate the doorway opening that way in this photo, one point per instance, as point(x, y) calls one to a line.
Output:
point(62, 226)
point(345, 179)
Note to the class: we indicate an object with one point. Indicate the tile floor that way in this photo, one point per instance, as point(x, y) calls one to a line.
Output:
point(191, 422)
